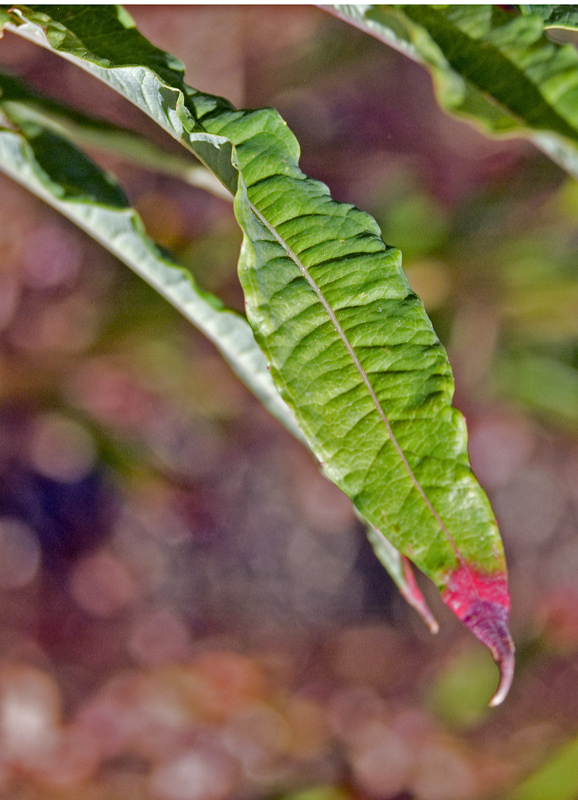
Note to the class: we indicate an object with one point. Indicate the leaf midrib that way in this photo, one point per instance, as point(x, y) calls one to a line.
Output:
point(362, 373)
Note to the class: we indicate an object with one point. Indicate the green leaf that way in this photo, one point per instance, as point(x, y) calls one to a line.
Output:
point(349, 345)
point(496, 68)
point(542, 384)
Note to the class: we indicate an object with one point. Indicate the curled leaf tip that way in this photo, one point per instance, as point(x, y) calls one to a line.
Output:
point(412, 593)
point(482, 603)
point(505, 662)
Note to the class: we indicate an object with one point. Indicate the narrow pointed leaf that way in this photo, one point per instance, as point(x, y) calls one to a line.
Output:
point(350, 347)
point(355, 356)
point(55, 171)
point(495, 67)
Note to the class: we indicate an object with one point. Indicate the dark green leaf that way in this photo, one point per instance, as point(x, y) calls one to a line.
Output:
point(554, 16)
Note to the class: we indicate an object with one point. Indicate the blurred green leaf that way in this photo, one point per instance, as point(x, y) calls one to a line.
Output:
point(542, 383)
point(417, 224)
point(545, 311)
point(459, 694)
point(494, 67)
point(557, 779)
point(318, 793)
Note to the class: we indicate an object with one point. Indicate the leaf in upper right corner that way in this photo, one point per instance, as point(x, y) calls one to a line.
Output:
point(554, 16)
point(494, 66)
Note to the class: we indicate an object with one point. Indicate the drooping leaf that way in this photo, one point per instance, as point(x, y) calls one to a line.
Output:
point(349, 345)
point(495, 67)
point(55, 171)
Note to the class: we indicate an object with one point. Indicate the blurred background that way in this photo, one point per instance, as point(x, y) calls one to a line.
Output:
point(188, 610)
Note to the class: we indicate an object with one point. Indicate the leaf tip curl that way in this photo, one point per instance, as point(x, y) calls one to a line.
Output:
point(481, 601)
point(505, 664)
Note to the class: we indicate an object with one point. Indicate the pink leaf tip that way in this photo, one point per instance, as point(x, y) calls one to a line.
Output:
point(482, 603)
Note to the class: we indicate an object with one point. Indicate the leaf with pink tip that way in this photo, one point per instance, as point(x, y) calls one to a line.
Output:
point(349, 345)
